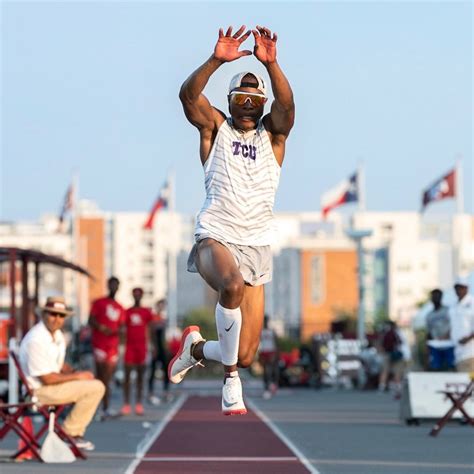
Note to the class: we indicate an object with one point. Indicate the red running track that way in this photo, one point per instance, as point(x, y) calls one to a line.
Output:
point(199, 439)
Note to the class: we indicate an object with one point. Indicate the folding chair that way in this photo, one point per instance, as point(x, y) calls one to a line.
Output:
point(458, 399)
point(11, 414)
point(31, 407)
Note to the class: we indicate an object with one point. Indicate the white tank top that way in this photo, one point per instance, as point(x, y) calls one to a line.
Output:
point(241, 179)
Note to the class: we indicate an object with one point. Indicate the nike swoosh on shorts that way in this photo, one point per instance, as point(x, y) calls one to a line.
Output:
point(229, 328)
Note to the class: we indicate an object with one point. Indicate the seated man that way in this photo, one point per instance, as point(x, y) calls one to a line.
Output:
point(54, 382)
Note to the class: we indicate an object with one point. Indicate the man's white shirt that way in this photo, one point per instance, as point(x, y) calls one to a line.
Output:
point(41, 353)
point(462, 325)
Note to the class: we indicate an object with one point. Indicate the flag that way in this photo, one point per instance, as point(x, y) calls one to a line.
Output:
point(68, 203)
point(160, 203)
point(345, 191)
point(442, 188)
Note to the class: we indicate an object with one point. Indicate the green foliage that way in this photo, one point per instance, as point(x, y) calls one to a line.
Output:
point(381, 317)
point(205, 319)
point(348, 316)
point(286, 344)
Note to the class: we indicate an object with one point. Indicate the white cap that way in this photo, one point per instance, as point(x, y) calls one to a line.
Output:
point(461, 281)
point(236, 82)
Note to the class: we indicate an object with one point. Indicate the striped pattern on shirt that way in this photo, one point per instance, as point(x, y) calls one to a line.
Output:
point(241, 179)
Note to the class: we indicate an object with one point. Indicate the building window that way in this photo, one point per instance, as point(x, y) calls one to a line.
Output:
point(404, 267)
point(317, 279)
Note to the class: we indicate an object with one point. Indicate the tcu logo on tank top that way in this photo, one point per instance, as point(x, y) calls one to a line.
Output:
point(247, 151)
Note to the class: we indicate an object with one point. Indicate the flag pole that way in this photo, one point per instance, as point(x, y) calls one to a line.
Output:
point(172, 261)
point(459, 187)
point(75, 247)
point(361, 185)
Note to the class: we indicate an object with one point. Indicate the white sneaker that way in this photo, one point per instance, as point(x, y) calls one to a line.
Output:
point(232, 401)
point(267, 395)
point(82, 443)
point(153, 400)
point(183, 360)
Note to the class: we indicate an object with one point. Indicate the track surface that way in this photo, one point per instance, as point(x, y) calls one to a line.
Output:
point(199, 439)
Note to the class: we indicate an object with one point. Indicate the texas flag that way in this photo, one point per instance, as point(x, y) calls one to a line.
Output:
point(442, 188)
point(160, 203)
point(68, 203)
point(345, 191)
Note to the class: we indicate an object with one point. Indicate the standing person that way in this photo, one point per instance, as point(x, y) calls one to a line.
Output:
point(268, 357)
point(440, 345)
point(241, 156)
point(42, 354)
point(137, 327)
point(106, 318)
point(160, 353)
point(462, 326)
point(393, 358)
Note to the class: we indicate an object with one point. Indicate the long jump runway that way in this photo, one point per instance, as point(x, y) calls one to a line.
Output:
point(197, 438)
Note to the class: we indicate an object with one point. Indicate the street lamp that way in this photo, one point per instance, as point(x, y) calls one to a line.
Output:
point(357, 235)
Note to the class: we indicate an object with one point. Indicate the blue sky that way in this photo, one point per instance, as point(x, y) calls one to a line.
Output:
point(91, 87)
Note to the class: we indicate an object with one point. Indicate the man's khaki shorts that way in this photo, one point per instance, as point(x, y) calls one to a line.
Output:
point(255, 263)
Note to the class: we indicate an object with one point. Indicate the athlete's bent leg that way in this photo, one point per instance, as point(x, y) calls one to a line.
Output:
point(253, 308)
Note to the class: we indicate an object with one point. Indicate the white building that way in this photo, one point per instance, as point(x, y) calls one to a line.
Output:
point(44, 237)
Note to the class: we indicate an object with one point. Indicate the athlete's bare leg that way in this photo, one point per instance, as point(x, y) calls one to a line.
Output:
point(253, 308)
point(217, 266)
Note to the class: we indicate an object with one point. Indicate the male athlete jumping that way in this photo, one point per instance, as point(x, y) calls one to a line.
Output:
point(241, 156)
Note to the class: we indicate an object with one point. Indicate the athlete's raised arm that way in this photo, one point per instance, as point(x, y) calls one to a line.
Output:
point(196, 106)
point(282, 114)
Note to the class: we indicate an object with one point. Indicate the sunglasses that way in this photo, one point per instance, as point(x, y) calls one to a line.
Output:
point(53, 315)
point(240, 98)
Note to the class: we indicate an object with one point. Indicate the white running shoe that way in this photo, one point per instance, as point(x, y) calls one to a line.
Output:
point(183, 360)
point(232, 401)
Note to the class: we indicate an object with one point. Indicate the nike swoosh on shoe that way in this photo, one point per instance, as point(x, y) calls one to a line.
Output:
point(227, 404)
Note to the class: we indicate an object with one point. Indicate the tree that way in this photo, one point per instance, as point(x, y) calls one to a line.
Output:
point(205, 319)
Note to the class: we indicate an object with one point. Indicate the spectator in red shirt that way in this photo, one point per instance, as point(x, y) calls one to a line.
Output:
point(106, 318)
point(137, 326)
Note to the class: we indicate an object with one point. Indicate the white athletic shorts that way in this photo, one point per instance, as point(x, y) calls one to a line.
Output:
point(255, 263)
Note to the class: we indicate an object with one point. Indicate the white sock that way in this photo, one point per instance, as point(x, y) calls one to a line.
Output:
point(212, 351)
point(228, 322)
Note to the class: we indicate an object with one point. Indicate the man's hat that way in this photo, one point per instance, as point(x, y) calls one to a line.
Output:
point(236, 82)
point(56, 304)
point(461, 281)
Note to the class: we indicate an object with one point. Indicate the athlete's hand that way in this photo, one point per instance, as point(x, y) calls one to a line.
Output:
point(265, 45)
point(227, 47)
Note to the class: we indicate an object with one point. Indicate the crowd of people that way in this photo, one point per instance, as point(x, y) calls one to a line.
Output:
point(449, 339)
point(450, 331)
point(142, 331)
point(449, 342)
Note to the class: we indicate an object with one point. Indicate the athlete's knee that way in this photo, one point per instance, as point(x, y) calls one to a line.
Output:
point(246, 358)
point(232, 290)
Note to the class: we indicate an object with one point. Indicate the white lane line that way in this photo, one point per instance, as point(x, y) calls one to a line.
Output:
point(222, 459)
point(303, 459)
point(152, 435)
point(372, 462)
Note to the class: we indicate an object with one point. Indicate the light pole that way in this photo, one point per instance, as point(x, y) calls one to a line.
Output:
point(357, 235)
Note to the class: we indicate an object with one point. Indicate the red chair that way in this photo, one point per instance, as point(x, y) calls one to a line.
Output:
point(457, 399)
point(11, 415)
